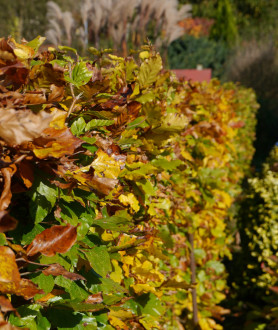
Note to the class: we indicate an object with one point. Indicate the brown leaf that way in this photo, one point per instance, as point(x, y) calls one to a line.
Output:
point(27, 289)
point(7, 222)
point(43, 96)
point(94, 299)
point(18, 126)
point(57, 239)
point(56, 143)
point(56, 270)
point(14, 74)
point(6, 305)
point(26, 172)
point(6, 195)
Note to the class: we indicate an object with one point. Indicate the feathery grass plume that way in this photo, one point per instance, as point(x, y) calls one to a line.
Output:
point(60, 24)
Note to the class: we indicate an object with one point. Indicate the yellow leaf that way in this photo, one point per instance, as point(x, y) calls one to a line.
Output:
point(117, 323)
point(117, 274)
point(143, 288)
point(131, 200)
point(107, 166)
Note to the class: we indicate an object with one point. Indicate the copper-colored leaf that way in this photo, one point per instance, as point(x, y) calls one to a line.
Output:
point(94, 299)
point(56, 143)
point(26, 172)
point(5, 305)
point(6, 195)
point(7, 222)
point(56, 270)
point(27, 289)
point(18, 126)
point(57, 239)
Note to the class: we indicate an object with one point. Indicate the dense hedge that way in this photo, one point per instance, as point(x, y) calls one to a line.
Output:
point(117, 180)
point(255, 281)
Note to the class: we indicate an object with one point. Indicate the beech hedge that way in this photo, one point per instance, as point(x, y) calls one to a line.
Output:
point(116, 180)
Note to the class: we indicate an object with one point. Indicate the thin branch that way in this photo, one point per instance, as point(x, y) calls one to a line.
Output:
point(193, 281)
point(74, 98)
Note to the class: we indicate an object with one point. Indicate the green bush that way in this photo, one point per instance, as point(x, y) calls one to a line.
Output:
point(189, 51)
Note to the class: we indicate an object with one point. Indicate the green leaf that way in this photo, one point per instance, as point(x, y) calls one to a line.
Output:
point(99, 259)
point(94, 51)
point(78, 126)
point(80, 306)
point(80, 75)
point(98, 123)
point(43, 200)
point(151, 305)
point(36, 43)
point(3, 240)
point(75, 291)
point(46, 283)
point(68, 49)
point(199, 253)
point(164, 164)
point(109, 286)
point(113, 223)
point(89, 140)
point(149, 70)
point(216, 265)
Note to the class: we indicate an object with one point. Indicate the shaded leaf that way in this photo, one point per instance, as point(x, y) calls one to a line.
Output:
point(7, 222)
point(56, 239)
point(113, 223)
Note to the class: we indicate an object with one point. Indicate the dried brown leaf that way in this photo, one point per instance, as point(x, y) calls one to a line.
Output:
point(56, 239)
point(56, 143)
point(6, 305)
point(94, 299)
point(18, 126)
point(56, 270)
point(6, 195)
point(26, 172)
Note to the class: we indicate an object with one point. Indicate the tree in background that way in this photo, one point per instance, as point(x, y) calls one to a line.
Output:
point(23, 19)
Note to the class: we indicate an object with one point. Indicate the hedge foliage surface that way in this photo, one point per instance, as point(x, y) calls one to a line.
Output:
point(116, 183)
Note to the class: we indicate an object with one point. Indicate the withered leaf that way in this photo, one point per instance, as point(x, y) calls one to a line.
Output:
point(18, 126)
point(56, 239)
point(27, 289)
point(56, 143)
point(7, 222)
point(94, 299)
point(6, 305)
point(56, 270)
point(6, 195)
point(26, 172)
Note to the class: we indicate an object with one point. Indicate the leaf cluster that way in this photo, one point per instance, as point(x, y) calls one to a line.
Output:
point(107, 166)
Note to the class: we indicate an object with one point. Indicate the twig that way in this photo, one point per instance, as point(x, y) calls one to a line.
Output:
point(74, 98)
point(193, 281)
